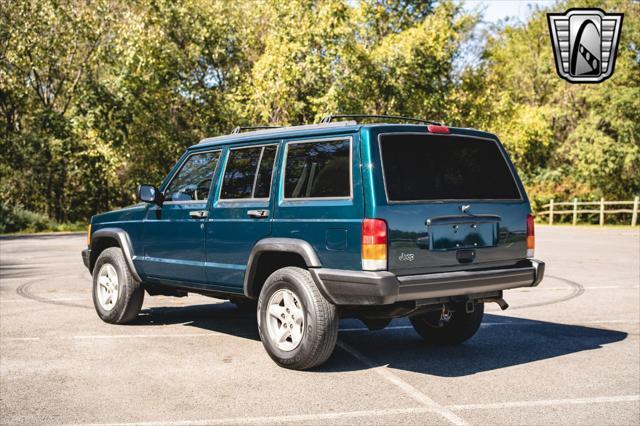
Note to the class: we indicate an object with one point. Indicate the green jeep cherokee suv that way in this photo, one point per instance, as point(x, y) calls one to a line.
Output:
point(317, 222)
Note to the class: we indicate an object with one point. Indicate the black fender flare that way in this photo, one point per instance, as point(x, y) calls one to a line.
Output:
point(122, 237)
point(287, 245)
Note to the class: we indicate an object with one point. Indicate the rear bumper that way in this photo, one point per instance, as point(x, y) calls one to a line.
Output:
point(343, 287)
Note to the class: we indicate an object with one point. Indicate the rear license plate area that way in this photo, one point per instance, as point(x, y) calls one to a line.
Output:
point(454, 236)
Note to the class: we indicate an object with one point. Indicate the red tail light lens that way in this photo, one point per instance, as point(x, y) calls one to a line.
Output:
point(531, 237)
point(374, 245)
point(435, 128)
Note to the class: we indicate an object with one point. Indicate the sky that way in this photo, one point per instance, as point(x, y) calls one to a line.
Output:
point(496, 10)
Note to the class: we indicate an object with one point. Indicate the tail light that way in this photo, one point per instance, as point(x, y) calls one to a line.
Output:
point(374, 245)
point(531, 238)
point(89, 235)
point(436, 128)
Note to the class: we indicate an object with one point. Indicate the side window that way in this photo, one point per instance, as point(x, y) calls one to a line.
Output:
point(248, 173)
point(193, 180)
point(318, 169)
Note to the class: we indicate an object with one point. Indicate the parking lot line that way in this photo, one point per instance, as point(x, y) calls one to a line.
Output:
point(136, 336)
point(546, 402)
point(297, 418)
point(402, 385)
point(301, 418)
point(529, 323)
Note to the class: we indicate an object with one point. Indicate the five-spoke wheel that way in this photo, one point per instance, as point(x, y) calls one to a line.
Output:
point(285, 321)
point(108, 287)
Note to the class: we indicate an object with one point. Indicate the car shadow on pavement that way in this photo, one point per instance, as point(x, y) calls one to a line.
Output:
point(223, 318)
point(502, 341)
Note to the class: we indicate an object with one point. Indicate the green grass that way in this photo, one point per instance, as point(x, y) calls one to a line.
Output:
point(56, 227)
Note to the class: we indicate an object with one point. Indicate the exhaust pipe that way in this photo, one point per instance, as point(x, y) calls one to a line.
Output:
point(502, 303)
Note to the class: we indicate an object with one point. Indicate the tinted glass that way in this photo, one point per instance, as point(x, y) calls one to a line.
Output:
point(263, 181)
point(240, 173)
point(240, 180)
point(193, 180)
point(318, 169)
point(427, 167)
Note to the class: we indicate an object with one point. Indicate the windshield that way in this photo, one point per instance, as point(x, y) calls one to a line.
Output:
point(436, 167)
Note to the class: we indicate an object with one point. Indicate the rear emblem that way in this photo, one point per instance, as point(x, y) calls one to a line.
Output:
point(465, 207)
point(406, 257)
point(585, 43)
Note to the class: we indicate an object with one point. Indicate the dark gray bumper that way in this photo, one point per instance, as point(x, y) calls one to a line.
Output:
point(86, 255)
point(344, 287)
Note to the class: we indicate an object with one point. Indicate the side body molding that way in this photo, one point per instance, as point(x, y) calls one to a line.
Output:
point(121, 236)
point(288, 245)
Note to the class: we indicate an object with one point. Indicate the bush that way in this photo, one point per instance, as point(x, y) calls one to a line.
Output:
point(16, 219)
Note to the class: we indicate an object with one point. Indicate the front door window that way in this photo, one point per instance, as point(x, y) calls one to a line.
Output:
point(193, 180)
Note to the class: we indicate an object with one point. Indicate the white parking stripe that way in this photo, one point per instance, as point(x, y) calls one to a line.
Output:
point(404, 386)
point(526, 322)
point(302, 418)
point(114, 336)
point(600, 287)
point(546, 402)
point(299, 418)
point(144, 336)
point(20, 339)
point(59, 299)
point(529, 323)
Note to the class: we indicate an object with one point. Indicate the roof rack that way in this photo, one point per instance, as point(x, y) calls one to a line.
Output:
point(330, 117)
point(239, 129)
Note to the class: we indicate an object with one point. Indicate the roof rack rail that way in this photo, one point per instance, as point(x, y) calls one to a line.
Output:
point(330, 117)
point(239, 129)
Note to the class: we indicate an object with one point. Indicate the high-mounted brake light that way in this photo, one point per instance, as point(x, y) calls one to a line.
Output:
point(435, 128)
point(374, 245)
point(531, 238)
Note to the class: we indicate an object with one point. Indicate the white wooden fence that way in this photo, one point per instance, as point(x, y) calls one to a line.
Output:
point(589, 208)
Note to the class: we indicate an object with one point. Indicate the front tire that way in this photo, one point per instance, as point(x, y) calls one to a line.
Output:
point(459, 328)
point(298, 326)
point(117, 296)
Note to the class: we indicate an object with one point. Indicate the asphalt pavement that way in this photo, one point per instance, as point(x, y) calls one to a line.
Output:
point(567, 352)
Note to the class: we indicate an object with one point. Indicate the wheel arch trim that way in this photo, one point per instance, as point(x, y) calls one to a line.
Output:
point(283, 245)
point(122, 238)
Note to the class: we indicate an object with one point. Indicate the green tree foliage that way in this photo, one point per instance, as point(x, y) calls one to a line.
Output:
point(566, 139)
point(98, 96)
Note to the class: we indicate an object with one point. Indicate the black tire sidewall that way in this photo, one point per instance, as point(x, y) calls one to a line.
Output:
point(114, 257)
point(282, 280)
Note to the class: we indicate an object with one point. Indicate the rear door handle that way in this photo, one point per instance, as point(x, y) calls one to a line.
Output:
point(199, 214)
point(258, 214)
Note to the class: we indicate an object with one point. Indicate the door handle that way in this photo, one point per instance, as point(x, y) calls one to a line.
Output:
point(199, 214)
point(258, 214)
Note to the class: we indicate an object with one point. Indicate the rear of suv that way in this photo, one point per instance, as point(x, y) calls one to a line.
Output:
point(314, 223)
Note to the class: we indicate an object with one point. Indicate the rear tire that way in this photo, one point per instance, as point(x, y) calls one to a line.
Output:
point(298, 326)
point(461, 327)
point(117, 296)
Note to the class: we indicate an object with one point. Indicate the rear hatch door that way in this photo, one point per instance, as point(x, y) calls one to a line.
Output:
point(453, 202)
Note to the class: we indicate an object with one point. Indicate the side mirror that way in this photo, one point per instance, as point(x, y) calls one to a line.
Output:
point(150, 194)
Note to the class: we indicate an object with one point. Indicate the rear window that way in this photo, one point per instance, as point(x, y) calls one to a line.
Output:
point(431, 167)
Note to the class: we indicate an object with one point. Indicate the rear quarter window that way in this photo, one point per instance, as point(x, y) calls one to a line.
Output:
point(318, 169)
point(437, 167)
